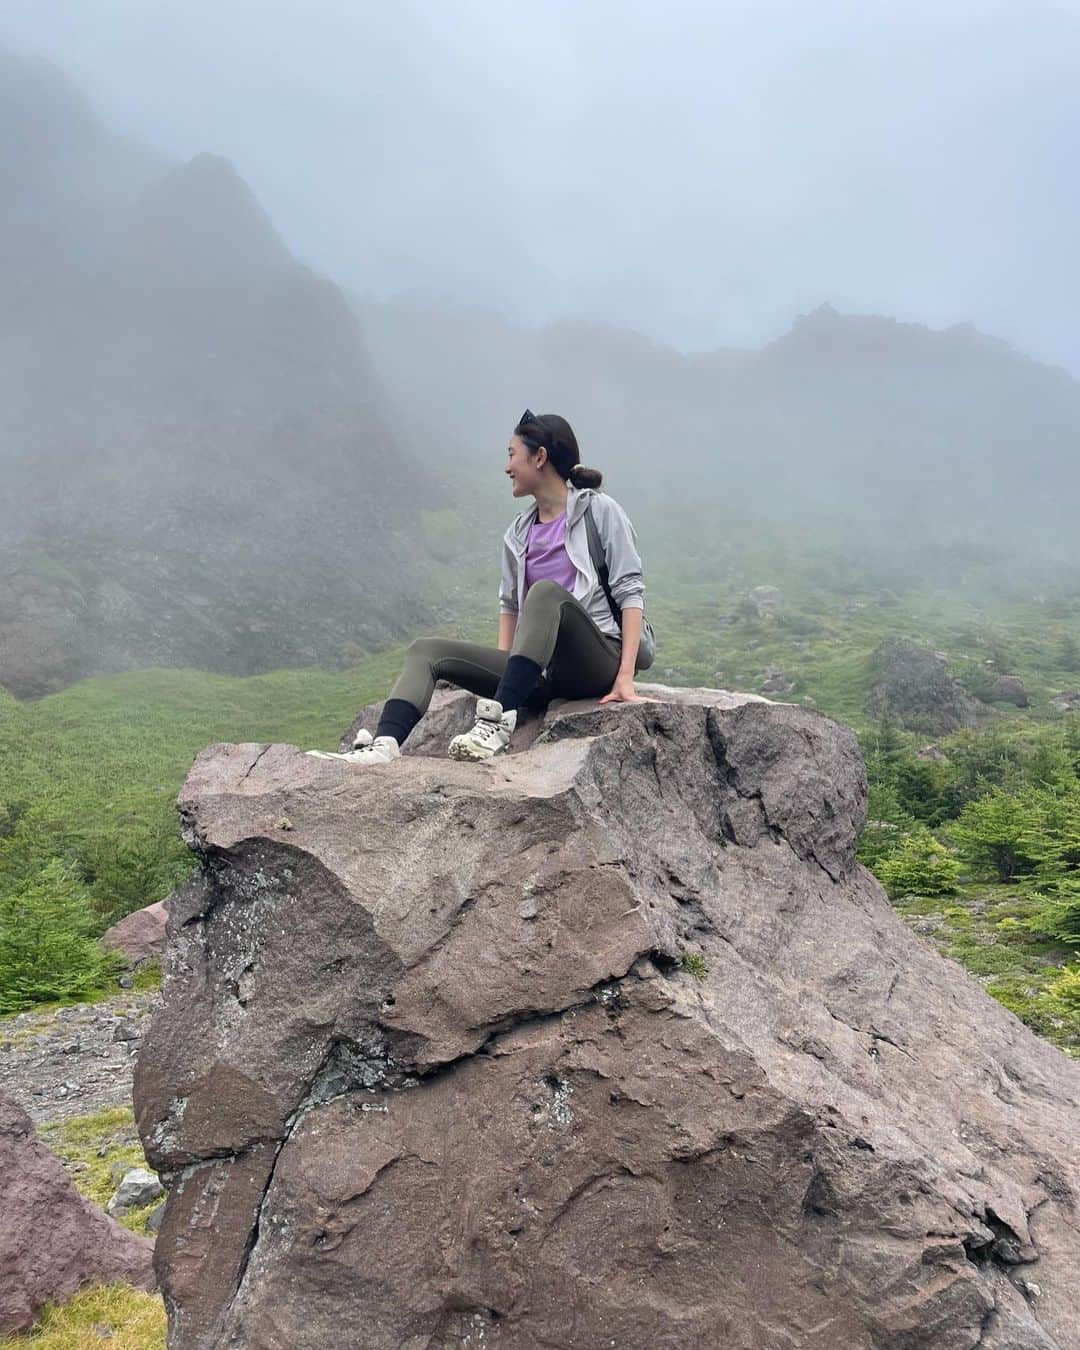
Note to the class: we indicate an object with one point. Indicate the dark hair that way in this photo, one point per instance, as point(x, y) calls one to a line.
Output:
point(557, 437)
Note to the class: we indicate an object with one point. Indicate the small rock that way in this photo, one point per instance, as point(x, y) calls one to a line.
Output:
point(154, 1218)
point(102, 1331)
point(1007, 689)
point(766, 598)
point(776, 682)
point(126, 982)
point(138, 1188)
point(124, 1031)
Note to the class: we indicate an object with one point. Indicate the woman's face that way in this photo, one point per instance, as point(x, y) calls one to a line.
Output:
point(524, 470)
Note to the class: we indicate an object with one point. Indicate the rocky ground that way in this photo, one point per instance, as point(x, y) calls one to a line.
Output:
point(73, 1061)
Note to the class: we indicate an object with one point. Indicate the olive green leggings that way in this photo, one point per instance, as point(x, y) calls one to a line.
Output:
point(553, 630)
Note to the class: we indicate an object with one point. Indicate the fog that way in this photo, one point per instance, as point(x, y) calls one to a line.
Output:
point(700, 173)
point(275, 284)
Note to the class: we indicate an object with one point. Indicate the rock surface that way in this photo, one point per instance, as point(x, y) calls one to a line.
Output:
point(52, 1241)
point(139, 936)
point(610, 1042)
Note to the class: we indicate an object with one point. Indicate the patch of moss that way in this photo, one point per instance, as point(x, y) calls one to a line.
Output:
point(115, 1315)
point(147, 977)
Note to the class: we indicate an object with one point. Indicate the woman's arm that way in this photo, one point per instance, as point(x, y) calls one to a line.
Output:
point(507, 629)
point(623, 691)
point(631, 637)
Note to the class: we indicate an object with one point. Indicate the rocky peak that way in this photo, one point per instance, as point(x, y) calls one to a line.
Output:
point(608, 1041)
point(202, 221)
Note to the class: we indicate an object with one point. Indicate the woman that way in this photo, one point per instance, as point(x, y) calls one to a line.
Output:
point(558, 634)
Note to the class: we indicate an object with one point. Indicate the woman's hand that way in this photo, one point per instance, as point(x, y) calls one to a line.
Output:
point(623, 691)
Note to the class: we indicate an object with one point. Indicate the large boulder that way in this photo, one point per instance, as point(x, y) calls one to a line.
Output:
point(52, 1241)
point(912, 685)
point(609, 1042)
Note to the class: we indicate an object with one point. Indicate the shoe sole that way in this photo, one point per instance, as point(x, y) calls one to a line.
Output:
point(456, 751)
point(326, 754)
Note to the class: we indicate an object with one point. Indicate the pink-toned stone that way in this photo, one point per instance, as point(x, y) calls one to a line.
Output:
point(139, 936)
point(609, 1041)
point(52, 1241)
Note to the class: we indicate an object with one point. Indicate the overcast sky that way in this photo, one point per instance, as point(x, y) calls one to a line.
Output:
point(698, 171)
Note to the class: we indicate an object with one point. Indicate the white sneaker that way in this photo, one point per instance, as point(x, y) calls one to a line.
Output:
point(366, 750)
point(490, 736)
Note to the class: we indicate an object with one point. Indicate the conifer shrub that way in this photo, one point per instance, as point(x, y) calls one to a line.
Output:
point(920, 866)
point(46, 947)
point(999, 832)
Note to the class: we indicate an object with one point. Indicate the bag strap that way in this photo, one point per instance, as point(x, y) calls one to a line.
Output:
point(596, 552)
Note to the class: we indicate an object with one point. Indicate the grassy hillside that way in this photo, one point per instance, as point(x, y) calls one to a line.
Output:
point(88, 776)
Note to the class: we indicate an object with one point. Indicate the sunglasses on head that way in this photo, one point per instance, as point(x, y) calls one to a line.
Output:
point(541, 434)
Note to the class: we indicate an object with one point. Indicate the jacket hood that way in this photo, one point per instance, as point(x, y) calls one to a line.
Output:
point(577, 499)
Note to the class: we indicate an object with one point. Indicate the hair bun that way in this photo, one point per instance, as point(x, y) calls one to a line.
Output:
point(583, 477)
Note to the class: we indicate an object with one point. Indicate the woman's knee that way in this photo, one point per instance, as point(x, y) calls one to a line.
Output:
point(546, 593)
point(424, 653)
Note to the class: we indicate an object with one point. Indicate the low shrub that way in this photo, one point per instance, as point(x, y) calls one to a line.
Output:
point(46, 947)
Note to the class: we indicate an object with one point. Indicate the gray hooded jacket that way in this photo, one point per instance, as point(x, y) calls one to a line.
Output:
point(620, 549)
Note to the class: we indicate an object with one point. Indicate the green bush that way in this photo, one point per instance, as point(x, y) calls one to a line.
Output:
point(999, 832)
point(46, 951)
point(1069, 653)
point(920, 866)
point(1066, 988)
point(127, 871)
point(1050, 839)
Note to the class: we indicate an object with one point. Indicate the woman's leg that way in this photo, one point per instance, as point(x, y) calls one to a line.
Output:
point(555, 631)
point(469, 665)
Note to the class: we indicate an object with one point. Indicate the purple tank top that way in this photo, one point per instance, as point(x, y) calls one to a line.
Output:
point(546, 558)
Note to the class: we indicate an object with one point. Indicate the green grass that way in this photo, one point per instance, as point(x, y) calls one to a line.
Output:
point(97, 1150)
point(92, 772)
point(115, 1317)
point(982, 927)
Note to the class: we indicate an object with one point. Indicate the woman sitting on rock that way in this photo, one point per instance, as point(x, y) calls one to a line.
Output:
point(559, 627)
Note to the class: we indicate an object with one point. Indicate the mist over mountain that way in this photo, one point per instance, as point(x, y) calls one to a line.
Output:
point(898, 438)
point(184, 410)
point(209, 457)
